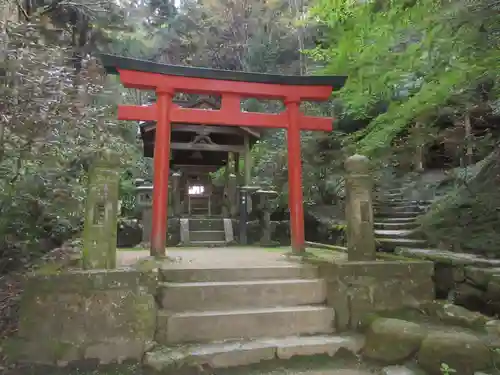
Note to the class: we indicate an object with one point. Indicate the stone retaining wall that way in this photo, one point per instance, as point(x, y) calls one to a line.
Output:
point(355, 289)
point(101, 316)
point(467, 280)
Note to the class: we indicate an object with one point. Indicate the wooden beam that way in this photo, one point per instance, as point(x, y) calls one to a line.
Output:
point(151, 81)
point(206, 147)
point(187, 168)
point(253, 132)
point(208, 129)
point(222, 117)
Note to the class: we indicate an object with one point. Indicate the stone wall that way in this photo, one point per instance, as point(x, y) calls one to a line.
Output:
point(466, 279)
point(100, 316)
point(357, 288)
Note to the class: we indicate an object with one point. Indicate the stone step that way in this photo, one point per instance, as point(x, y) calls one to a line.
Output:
point(178, 297)
point(387, 211)
point(206, 224)
point(397, 220)
point(293, 271)
point(395, 233)
point(390, 244)
point(403, 202)
point(392, 195)
point(244, 353)
point(395, 226)
point(396, 214)
point(207, 235)
point(208, 326)
point(399, 208)
point(207, 243)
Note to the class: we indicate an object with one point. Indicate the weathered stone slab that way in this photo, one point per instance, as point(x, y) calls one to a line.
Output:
point(400, 370)
point(241, 353)
point(313, 345)
point(480, 276)
point(178, 297)
point(208, 326)
point(108, 316)
point(355, 289)
point(442, 256)
point(392, 340)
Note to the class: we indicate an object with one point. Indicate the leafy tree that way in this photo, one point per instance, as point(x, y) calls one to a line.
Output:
point(418, 56)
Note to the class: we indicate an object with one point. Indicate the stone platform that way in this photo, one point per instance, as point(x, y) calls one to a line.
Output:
point(224, 257)
point(220, 307)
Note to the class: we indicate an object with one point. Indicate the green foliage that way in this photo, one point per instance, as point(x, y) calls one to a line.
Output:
point(473, 204)
point(54, 120)
point(418, 56)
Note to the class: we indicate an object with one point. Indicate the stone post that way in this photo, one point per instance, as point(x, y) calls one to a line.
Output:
point(176, 193)
point(265, 207)
point(144, 199)
point(359, 210)
point(232, 193)
point(101, 213)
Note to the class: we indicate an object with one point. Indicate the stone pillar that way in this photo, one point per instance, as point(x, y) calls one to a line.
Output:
point(232, 195)
point(247, 158)
point(144, 198)
point(265, 207)
point(101, 213)
point(176, 194)
point(359, 210)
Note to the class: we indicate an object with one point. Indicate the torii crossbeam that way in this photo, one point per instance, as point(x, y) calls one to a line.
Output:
point(167, 80)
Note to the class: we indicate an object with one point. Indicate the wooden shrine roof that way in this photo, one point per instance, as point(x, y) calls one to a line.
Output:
point(112, 63)
point(199, 144)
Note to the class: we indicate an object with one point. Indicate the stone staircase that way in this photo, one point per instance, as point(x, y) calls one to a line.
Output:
point(395, 221)
point(239, 316)
point(208, 231)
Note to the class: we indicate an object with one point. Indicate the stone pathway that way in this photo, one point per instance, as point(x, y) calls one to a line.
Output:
point(224, 257)
point(395, 221)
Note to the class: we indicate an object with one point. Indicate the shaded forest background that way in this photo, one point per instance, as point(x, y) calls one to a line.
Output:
point(422, 96)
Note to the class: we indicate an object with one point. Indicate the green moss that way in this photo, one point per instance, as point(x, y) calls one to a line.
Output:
point(50, 269)
point(145, 314)
point(60, 349)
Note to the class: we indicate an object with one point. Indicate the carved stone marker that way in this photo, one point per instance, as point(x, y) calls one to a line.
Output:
point(359, 210)
point(101, 213)
point(265, 197)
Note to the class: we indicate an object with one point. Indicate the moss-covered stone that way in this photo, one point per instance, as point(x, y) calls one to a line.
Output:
point(392, 340)
point(104, 315)
point(461, 351)
point(455, 315)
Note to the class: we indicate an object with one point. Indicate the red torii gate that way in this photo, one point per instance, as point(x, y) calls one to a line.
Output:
point(167, 80)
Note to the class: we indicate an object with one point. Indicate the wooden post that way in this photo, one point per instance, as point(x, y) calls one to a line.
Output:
point(295, 197)
point(101, 214)
point(359, 210)
point(161, 171)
